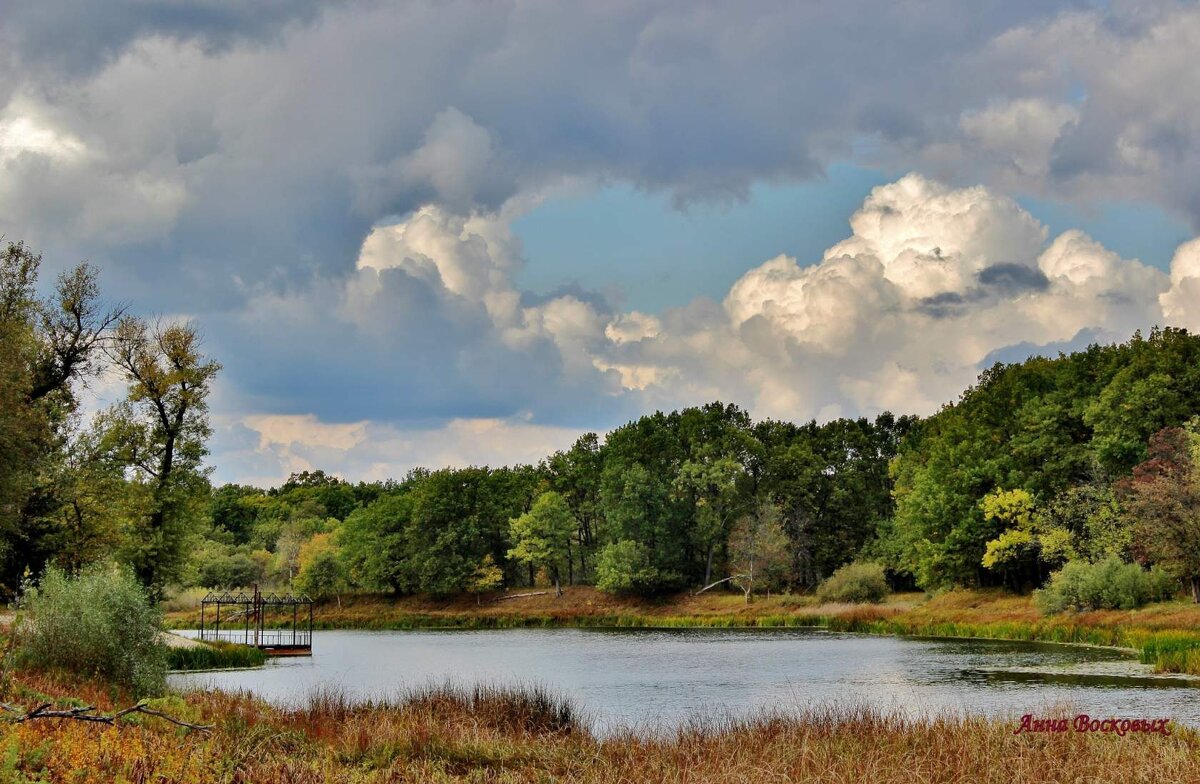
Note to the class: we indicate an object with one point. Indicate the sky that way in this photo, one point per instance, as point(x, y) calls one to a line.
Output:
point(452, 233)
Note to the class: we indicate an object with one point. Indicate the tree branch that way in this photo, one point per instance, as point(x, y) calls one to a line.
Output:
point(86, 713)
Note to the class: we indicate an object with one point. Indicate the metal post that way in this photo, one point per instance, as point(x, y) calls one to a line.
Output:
point(310, 625)
point(294, 609)
point(217, 630)
point(202, 620)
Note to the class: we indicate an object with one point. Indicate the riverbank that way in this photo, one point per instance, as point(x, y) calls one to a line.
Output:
point(528, 735)
point(1165, 634)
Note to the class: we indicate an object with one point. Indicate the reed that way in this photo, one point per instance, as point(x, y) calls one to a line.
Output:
point(457, 733)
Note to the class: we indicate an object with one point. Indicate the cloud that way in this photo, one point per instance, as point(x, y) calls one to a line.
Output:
point(330, 188)
point(932, 284)
point(266, 449)
point(1020, 134)
point(248, 146)
point(1181, 304)
point(902, 314)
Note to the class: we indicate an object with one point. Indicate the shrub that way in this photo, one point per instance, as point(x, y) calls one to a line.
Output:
point(101, 623)
point(1110, 584)
point(855, 582)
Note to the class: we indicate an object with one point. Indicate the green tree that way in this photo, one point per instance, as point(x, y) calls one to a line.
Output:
point(322, 576)
point(161, 430)
point(627, 567)
point(637, 509)
point(233, 509)
point(1027, 539)
point(47, 348)
point(376, 544)
point(712, 484)
point(1091, 513)
point(576, 475)
point(542, 536)
point(487, 577)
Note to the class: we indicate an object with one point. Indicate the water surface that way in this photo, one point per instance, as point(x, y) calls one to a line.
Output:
point(657, 678)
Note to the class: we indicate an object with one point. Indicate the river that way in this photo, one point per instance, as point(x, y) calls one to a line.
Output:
point(655, 679)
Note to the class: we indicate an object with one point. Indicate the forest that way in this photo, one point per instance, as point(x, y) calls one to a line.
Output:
point(1038, 468)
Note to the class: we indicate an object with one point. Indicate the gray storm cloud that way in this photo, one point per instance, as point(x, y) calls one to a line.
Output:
point(337, 181)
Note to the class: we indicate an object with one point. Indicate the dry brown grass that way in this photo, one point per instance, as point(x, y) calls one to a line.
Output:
point(505, 736)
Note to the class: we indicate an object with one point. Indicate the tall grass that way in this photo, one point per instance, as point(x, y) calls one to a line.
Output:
point(447, 733)
point(215, 656)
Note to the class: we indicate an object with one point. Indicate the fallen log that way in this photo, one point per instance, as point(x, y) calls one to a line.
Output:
point(519, 595)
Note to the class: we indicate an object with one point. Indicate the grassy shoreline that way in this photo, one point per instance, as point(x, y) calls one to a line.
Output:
point(1166, 635)
point(467, 734)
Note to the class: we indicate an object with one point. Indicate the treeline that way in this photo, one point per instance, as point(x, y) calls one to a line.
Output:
point(1035, 466)
point(653, 508)
point(1087, 458)
point(1039, 464)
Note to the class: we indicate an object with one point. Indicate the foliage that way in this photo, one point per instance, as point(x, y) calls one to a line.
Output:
point(758, 550)
point(1163, 498)
point(1027, 541)
point(160, 432)
point(322, 573)
point(1043, 427)
point(542, 536)
point(217, 565)
point(626, 567)
point(487, 577)
point(1109, 584)
point(856, 583)
point(100, 623)
point(375, 543)
point(49, 348)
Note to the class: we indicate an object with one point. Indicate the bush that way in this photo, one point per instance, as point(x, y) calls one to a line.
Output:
point(1110, 584)
point(624, 567)
point(101, 623)
point(855, 582)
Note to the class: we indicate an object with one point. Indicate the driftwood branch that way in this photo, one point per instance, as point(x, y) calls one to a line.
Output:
point(519, 595)
point(87, 713)
point(718, 582)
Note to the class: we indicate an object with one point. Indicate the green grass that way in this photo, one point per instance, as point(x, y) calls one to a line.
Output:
point(215, 656)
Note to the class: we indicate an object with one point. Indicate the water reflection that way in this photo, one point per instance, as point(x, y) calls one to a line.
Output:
point(658, 678)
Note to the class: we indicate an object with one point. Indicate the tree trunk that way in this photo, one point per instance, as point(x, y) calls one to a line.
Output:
point(1196, 590)
point(708, 568)
point(557, 587)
